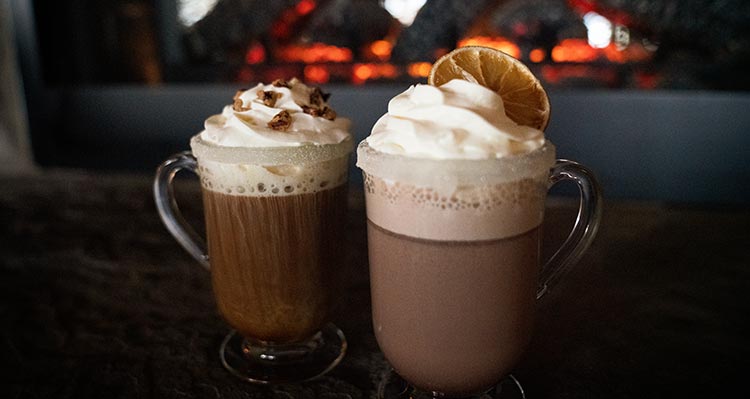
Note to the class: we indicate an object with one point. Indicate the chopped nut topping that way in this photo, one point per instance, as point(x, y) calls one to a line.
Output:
point(324, 112)
point(329, 114)
point(238, 106)
point(269, 97)
point(281, 83)
point(317, 97)
point(281, 121)
point(238, 93)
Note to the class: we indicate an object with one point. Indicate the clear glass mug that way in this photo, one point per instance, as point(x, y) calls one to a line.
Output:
point(275, 220)
point(455, 268)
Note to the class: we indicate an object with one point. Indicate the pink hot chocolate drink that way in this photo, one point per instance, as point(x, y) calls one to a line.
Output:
point(454, 242)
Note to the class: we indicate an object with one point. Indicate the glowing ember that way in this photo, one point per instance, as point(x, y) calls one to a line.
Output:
point(647, 80)
point(537, 55)
point(559, 74)
point(255, 54)
point(314, 53)
point(574, 50)
point(419, 69)
point(364, 72)
point(317, 74)
point(381, 49)
point(498, 42)
point(565, 63)
point(304, 7)
point(245, 75)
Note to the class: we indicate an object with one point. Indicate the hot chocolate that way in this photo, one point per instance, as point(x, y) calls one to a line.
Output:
point(276, 260)
point(273, 168)
point(456, 176)
point(452, 316)
point(453, 277)
point(455, 201)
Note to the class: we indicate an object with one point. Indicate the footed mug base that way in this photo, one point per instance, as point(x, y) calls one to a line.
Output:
point(266, 363)
point(392, 386)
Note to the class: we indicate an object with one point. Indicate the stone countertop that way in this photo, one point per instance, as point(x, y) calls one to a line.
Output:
point(99, 301)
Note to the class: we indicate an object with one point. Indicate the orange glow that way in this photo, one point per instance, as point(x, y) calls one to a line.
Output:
point(579, 51)
point(245, 75)
point(497, 42)
point(255, 54)
point(388, 71)
point(647, 80)
point(364, 72)
point(314, 53)
point(614, 55)
point(381, 49)
point(537, 55)
point(419, 69)
point(304, 7)
point(574, 50)
point(316, 74)
point(632, 53)
point(280, 29)
point(559, 74)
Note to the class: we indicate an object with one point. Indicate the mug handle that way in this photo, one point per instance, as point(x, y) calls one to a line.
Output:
point(169, 211)
point(586, 224)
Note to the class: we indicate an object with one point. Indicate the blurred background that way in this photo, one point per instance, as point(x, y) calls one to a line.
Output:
point(653, 95)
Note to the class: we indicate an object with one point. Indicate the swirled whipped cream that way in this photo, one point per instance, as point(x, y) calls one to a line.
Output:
point(458, 120)
point(280, 114)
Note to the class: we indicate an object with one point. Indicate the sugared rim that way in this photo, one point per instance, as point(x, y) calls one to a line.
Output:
point(424, 171)
point(299, 155)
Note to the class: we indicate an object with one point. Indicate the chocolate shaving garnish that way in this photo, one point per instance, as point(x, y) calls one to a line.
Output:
point(268, 97)
point(281, 121)
point(281, 83)
point(238, 106)
point(324, 112)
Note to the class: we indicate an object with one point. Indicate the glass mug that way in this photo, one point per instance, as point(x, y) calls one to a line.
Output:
point(454, 251)
point(275, 220)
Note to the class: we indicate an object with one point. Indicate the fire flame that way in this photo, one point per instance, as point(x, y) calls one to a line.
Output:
point(574, 50)
point(381, 49)
point(498, 42)
point(369, 71)
point(419, 69)
point(314, 53)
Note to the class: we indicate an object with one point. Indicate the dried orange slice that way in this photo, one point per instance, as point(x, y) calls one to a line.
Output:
point(525, 100)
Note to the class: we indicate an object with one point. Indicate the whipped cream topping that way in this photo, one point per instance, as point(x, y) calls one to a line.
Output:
point(458, 120)
point(282, 114)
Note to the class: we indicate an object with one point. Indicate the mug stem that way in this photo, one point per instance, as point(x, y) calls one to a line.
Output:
point(263, 362)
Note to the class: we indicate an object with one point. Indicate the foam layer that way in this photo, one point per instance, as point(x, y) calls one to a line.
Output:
point(456, 200)
point(279, 171)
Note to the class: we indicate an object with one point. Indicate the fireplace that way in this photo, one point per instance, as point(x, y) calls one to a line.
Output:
point(581, 44)
point(652, 94)
point(645, 44)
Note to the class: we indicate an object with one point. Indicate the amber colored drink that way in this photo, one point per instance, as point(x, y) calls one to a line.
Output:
point(275, 260)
